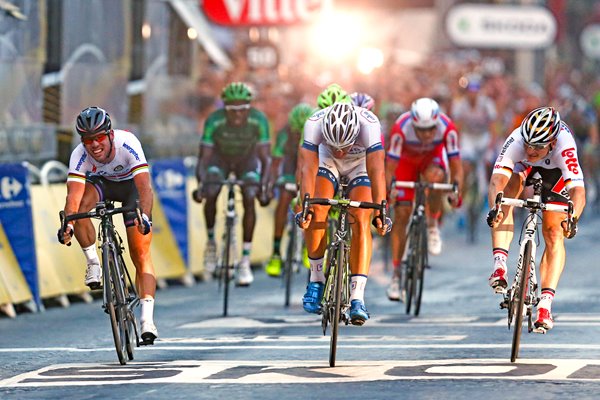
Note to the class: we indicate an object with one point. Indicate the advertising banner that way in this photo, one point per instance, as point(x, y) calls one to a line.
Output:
point(169, 178)
point(16, 217)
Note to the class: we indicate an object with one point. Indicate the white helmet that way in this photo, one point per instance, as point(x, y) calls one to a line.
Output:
point(424, 113)
point(340, 125)
point(541, 126)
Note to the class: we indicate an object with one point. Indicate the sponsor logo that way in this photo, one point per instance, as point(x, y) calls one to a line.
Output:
point(80, 162)
point(132, 151)
point(369, 116)
point(506, 145)
point(118, 168)
point(10, 187)
point(570, 157)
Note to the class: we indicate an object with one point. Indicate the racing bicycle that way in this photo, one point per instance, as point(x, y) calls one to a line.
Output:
point(416, 244)
point(524, 292)
point(119, 294)
point(336, 295)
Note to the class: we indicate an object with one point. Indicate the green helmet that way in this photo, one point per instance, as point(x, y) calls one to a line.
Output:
point(333, 94)
point(298, 116)
point(236, 91)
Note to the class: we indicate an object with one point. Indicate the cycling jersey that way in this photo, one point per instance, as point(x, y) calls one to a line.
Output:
point(286, 148)
point(563, 156)
point(233, 141)
point(474, 125)
point(404, 142)
point(129, 160)
point(352, 165)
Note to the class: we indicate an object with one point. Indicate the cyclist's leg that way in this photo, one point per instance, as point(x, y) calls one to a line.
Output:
point(434, 171)
point(502, 235)
point(273, 267)
point(553, 258)
point(216, 172)
point(85, 232)
point(316, 241)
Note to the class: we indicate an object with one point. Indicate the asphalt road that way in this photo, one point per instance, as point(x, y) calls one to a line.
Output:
point(458, 347)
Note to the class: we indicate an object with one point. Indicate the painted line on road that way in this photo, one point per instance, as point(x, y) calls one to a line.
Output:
point(301, 372)
point(165, 346)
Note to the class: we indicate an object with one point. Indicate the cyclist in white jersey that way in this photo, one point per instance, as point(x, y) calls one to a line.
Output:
point(543, 144)
point(110, 164)
point(342, 140)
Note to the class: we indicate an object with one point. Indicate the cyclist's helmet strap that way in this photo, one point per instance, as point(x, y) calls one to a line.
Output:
point(236, 91)
point(340, 125)
point(93, 120)
point(541, 126)
point(424, 113)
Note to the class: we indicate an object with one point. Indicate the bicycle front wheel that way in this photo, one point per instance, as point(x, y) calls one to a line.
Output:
point(519, 306)
point(337, 302)
point(115, 301)
point(412, 259)
point(420, 265)
point(225, 268)
point(288, 268)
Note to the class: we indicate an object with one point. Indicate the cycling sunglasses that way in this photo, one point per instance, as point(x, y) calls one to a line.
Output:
point(536, 147)
point(98, 138)
point(238, 107)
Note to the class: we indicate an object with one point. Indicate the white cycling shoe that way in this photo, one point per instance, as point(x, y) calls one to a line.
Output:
point(93, 276)
point(244, 274)
point(434, 241)
point(149, 333)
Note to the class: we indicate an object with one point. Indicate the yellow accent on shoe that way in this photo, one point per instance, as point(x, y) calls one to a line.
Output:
point(273, 267)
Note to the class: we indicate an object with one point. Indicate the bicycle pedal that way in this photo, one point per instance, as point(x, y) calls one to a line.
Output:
point(504, 304)
point(540, 329)
point(147, 339)
point(499, 290)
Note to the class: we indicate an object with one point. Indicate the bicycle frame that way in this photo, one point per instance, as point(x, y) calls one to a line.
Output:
point(523, 294)
point(416, 244)
point(336, 294)
point(119, 294)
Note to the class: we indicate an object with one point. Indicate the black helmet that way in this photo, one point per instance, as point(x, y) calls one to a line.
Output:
point(93, 120)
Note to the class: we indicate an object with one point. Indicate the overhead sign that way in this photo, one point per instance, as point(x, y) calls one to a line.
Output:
point(589, 40)
point(260, 12)
point(501, 26)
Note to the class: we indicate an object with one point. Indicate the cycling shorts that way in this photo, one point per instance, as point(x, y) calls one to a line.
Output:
point(410, 168)
point(354, 169)
point(123, 191)
point(554, 189)
point(246, 169)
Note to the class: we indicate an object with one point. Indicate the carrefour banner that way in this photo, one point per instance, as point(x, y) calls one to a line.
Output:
point(169, 177)
point(16, 217)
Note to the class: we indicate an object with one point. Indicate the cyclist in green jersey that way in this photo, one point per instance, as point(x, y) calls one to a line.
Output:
point(285, 156)
point(235, 139)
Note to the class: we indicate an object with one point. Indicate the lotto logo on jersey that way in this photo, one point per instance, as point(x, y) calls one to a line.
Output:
point(570, 157)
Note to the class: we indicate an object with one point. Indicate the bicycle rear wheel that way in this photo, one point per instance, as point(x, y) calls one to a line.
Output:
point(420, 265)
point(337, 303)
point(115, 300)
point(519, 307)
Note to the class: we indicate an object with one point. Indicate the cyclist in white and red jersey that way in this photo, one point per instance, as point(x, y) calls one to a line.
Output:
point(110, 164)
point(342, 141)
point(543, 144)
point(418, 140)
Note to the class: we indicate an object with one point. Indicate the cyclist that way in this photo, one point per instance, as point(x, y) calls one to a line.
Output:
point(420, 139)
point(110, 164)
point(363, 100)
point(342, 140)
point(332, 94)
point(235, 139)
point(285, 156)
point(544, 144)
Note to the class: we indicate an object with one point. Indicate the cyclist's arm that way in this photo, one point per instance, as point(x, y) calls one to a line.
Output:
point(390, 171)
point(308, 170)
point(264, 154)
point(497, 184)
point(142, 183)
point(204, 154)
point(456, 172)
point(376, 171)
point(577, 195)
point(75, 192)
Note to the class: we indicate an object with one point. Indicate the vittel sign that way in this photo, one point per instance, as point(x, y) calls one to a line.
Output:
point(261, 12)
point(501, 26)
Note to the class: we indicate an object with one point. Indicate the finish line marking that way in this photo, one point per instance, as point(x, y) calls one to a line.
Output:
point(301, 372)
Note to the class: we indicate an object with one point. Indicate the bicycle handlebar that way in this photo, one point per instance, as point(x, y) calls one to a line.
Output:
point(450, 187)
point(344, 203)
point(533, 204)
point(100, 211)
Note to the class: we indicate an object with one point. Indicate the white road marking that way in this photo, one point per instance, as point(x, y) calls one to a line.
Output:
point(293, 372)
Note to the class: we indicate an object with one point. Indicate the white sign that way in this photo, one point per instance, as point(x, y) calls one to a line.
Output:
point(501, 26)
point(590, 41)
